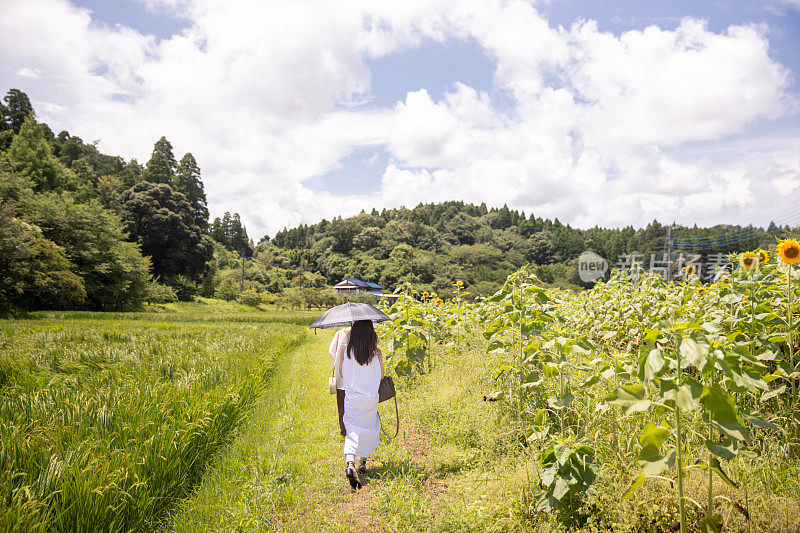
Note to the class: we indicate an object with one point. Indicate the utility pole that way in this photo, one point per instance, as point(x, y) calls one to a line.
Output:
point(412, 266)
point(301, 271)
point(669, 252)
point(242, 287)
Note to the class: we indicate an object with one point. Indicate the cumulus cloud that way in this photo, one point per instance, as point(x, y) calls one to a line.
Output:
point(268, 95)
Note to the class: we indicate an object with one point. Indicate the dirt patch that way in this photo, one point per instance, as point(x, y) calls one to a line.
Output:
point(357, 507)
point(415, 441)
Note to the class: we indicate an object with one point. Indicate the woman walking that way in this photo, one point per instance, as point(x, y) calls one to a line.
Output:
point(360, 369)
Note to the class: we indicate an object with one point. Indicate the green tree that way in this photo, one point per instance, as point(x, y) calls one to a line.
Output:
point(462, 229)
point(162, 222)
point(231, 233)
point(131, 173)
point(189, 183)
point(34, 271)
point(16, 110)
point(29, 156)
point(113, 270)
point(162, 166)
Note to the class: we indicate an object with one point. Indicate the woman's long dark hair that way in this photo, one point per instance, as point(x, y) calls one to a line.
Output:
point(363, 341)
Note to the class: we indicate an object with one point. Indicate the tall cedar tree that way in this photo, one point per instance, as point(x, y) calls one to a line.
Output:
point(29, 156)
point(162, 166)
point(13, 113)
point(162, 221)
point(231, 233)
point(189, 183)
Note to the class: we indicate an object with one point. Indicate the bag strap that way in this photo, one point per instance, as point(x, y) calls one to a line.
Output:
point(397, 418)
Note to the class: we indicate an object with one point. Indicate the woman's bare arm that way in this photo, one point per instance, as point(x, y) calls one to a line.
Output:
point(379, 353)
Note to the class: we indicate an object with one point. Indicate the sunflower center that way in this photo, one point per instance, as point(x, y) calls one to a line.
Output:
point(791, 253)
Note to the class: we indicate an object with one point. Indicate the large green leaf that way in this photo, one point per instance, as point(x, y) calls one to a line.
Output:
point(721, 405)
point(630, 397)
point(686, 396)
point(534, 379)
point(760, 422)
point(724, 449)
point(653, 462)
point(771, 394)
point(711, 524)
point(694, 353)
point(496, 346)
point(651, 364)
point(562, 402)
point(653, 435)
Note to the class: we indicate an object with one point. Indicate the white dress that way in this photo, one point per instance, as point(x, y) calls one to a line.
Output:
point(361, 419)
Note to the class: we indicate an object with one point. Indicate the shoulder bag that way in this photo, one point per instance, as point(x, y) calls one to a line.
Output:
point(386, 391)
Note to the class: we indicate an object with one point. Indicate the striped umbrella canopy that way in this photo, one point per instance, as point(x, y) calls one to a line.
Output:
point(346, 314)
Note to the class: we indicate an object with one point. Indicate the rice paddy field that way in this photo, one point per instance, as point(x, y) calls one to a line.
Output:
point(637, 405)
point(107, 420)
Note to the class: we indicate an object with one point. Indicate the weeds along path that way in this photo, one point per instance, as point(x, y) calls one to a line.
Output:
point(285, 460)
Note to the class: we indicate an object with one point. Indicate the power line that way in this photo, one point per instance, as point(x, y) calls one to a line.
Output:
point(721, 236)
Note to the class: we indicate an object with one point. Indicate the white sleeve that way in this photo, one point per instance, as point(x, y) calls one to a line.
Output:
point(332, 349)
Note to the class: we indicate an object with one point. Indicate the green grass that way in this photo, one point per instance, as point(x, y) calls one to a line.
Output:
point(288, 444)
point(216, 417)
point(108, 419)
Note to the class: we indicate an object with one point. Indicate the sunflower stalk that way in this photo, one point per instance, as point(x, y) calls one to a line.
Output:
point(679, 441)
point(791, 339)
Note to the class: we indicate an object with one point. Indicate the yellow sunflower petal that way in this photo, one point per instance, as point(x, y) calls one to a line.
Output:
point(789, 251)
point(748, 260)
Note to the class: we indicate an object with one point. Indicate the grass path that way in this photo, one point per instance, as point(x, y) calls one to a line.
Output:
point(284, 471)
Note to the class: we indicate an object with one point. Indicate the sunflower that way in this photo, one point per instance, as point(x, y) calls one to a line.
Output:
point(748, 260)
point(439, 301)
point(789, 251)
point(763, 256)
point(690, 270)
point(425, 294)
point(701, 290)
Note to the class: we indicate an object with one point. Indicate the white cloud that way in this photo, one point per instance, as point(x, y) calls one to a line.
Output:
point(793, 4)
point(266, 95)
point(26, 72)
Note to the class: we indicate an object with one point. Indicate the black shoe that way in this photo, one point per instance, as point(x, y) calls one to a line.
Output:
point(352, 476)
point(362, 466)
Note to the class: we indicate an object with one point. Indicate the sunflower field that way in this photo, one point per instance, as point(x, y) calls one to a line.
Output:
point(637, 380)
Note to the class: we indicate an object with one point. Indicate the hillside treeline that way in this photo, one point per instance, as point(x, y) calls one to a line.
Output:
point(82, 229)
point(453, 241)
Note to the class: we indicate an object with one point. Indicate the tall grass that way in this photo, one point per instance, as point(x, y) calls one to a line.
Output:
point(106, 420)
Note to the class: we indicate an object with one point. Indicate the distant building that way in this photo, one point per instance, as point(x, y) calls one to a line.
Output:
point(356, 286)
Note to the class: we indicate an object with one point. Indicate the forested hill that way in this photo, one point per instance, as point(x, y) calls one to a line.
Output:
point(456, 241)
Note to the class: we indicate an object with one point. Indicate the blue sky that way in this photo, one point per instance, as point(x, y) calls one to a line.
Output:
point(596, 112)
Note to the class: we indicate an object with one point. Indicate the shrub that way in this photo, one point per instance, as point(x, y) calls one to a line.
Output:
point(157, 293)
point(183, 286)
point(250, 297)
point(228, 289)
